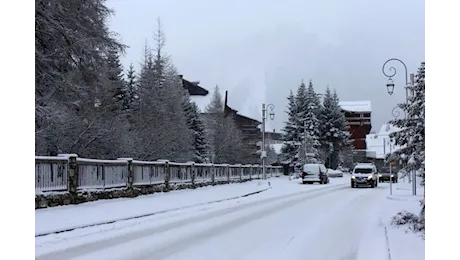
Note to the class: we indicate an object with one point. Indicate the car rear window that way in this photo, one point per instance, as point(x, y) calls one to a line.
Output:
point(312, 168)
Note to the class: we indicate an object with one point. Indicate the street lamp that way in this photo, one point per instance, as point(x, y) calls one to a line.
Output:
point(263, 154)
point(390, 89)
point(390, 86)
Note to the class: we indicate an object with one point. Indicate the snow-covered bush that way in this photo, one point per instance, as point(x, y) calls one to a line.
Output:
point(413, 222)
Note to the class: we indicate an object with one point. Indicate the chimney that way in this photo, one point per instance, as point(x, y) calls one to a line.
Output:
point(274, 130)
point(225, 101)
point(181, 80)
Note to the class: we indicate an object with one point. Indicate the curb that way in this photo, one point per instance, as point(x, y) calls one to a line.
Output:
point(40, 234)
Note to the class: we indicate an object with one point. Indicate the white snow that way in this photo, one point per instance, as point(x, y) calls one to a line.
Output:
point(289, 221)
point(379, 144)
point(334, 171)
point(69, 217)
point(356, 106)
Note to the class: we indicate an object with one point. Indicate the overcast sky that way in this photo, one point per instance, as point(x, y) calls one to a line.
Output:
point(260, 50)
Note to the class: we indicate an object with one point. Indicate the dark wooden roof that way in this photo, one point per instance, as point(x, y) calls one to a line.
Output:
point(193, 88)
point(228, 110)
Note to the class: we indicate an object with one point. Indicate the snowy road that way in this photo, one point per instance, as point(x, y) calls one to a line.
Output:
point(332, 222)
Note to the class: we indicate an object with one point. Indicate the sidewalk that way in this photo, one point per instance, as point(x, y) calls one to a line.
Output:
point(63, 218)
point(404, 244)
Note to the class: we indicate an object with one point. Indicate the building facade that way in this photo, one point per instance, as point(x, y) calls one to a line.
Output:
point(249, 128)
point(358, 116)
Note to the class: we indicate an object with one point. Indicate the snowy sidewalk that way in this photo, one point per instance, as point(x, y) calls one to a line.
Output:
point(403, 243)
point(56, 219)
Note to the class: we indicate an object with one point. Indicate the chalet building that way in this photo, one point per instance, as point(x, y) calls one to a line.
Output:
point(358, 116)
point(249, 128)
point(193, 88)
point(379, 144)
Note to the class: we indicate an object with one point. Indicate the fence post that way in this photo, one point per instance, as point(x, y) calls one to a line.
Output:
point(73, 173)
point(193, 174)
point(129, 184)
point(167, 175)
point(227, 167)
point(213, 174)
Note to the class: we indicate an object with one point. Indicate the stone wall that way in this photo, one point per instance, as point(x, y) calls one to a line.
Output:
point(53, 199)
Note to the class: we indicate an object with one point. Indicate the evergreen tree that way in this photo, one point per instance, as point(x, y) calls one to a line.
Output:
point(224, 137)
point(115, 77)
point(302, 106)
point(411, 137)
point(290, 136)
point(272, 157)
point(308, 153)
point(132, 88)
point(196, 125)
point(334, 135)
point(75, 110)
point(312, 123)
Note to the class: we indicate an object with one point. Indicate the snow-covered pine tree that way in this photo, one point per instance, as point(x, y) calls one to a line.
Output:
point(196, 125)
point(161, 122)
point(411, 137)
point(312, 123)
point(290, 133)
point(334, 135)
point(272, 157)
point(302, 108)
point(161, 60)
point(224, 137)
point(308, 153)
point(132, 87)
point(71, 79)
point(115, 78)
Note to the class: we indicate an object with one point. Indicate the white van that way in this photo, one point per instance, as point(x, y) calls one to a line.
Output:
point(314, 172)
point(364, 174)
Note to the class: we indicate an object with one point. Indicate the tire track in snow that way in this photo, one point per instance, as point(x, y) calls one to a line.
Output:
point(113, 241)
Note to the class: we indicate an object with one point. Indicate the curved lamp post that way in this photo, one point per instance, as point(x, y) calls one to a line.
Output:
point(395, 113)
point(263, 154)
point(390, 89)
point(392, 73)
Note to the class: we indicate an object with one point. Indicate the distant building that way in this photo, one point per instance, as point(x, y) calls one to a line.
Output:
point(379, 144)
point(358, 116)
point(249, 128)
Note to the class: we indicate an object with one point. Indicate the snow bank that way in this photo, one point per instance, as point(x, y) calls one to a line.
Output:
point(68, 217)
point(403, 243)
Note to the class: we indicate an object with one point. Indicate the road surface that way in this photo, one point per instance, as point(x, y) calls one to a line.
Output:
point(328, 223)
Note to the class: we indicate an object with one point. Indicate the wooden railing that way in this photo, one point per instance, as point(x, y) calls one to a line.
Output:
point(67, 172)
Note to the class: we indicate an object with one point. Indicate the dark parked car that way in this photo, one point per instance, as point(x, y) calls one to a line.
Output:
point(385, 174)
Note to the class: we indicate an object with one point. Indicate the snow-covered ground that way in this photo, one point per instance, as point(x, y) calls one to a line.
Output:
point(287, 221)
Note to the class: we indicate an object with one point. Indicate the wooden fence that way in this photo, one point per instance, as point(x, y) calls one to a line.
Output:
point(68, 173)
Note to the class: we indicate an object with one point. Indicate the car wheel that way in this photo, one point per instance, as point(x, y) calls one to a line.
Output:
point(353, 185)
point(304, 182)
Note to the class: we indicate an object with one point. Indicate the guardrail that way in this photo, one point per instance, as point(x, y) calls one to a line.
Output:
point(67, 172)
